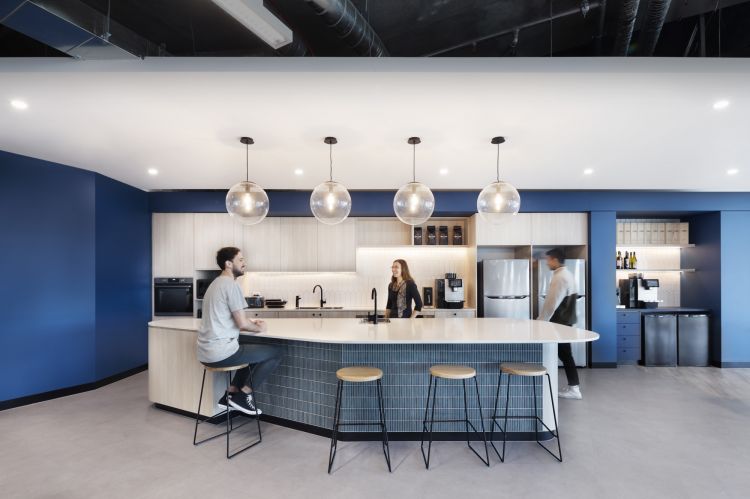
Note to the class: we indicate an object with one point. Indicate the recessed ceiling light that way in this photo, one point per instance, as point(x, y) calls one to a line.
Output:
point(19, 104)
point(721, 104)
point(153, 171)
point(588, 171)
point(733, 171)
point(443, 171)
point(299, 171)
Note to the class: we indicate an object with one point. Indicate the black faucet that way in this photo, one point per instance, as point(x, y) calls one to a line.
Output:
point(322, 301)
point(296, 301)
point(374, 296)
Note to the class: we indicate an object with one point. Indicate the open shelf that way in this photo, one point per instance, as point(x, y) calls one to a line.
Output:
point(655, 270)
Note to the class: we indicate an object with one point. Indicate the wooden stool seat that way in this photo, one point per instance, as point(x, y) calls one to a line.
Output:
point(452, 372)
point(359, 374)
point(523, 369)
point(225, 369)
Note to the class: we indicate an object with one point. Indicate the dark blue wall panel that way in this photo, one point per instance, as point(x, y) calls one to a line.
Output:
point(123, 275)
point(462, 203)
point(703, 288)
point(47, 262)
point(735, 276)
point(602, 250)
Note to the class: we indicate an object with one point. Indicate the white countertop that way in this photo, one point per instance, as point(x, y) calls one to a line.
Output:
point(407, 331)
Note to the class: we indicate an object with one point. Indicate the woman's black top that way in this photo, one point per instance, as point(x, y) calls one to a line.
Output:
point(409, 292)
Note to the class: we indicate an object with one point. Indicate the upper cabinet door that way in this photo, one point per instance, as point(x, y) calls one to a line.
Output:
point(299, 244)
point(261, 245)
point(214, 231)
point(559, 229)
point(382, 233)
point(172, 244)
point(337, 246)
point(513, 230)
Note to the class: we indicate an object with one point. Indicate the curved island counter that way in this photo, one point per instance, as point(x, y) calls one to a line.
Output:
point(302, 391)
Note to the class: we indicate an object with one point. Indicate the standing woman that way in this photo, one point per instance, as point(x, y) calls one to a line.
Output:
point(401, 292)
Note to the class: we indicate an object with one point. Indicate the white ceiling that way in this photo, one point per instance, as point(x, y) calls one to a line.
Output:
point(638, 123)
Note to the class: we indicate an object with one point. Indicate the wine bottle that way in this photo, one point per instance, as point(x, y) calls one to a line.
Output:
point(626, 261)
point(634, 264)
point(618, 261)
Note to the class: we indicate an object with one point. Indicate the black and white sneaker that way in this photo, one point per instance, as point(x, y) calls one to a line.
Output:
point(244, 402)
point(222, 403)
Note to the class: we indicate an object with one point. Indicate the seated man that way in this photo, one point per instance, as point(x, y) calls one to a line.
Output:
point(219, 340)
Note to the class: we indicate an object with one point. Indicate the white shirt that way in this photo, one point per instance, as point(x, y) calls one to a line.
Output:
point(562, 284)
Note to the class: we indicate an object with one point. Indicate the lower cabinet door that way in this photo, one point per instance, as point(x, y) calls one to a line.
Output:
point(628, 355)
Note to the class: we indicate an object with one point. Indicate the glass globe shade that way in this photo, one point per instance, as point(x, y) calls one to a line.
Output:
point(330, 202)
point(414, 203)
point(498, 200)
point(247, 203)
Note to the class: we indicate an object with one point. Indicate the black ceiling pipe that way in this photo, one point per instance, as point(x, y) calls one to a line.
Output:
point(625, 25)
point(656, 14)
point(351, 26)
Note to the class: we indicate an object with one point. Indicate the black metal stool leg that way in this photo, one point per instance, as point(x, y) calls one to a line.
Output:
point(556, 432)
point(494, 422)
point(198, 412)
point(381, 407)
point(257, 416)
point(229, 416)
point(336, 419)
point(481, 422)
point(536, 412)
point(505, 420)
point(433, 384)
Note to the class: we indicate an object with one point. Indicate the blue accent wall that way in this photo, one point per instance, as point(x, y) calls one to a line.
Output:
point(602, 248)
point(123, 277)
point(735, 277)
point(74, 307)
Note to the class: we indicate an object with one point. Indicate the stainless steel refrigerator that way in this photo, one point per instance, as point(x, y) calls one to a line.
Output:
point(578, 269)
point(505, 288)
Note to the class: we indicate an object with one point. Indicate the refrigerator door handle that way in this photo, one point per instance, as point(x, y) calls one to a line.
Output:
point(493, 297)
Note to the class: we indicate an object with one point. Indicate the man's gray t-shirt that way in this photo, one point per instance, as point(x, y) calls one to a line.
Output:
point(217, 335)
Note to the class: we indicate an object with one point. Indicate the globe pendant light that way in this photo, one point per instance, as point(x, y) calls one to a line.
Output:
point(499, 198)
point(414, 202)
point(246, 201)
point(330, 202)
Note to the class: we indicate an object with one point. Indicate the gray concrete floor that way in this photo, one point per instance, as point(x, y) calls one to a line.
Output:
point(648, 432)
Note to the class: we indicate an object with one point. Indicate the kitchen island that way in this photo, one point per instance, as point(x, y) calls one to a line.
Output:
point(302, 391)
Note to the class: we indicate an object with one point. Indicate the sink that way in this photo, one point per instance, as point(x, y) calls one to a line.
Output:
point(319, 308)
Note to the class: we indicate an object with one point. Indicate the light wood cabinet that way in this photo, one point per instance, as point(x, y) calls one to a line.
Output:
point(172, 244)
point(512, 230)
point(214, 231)
point(442, 313)
point(261, 245)
point(299, 244)
point(559, 229)
point(379, 232)
point(262, 314)
point(337, 246)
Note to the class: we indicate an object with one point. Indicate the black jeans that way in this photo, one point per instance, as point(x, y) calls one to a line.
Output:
point(263, 359)
point(565, 352)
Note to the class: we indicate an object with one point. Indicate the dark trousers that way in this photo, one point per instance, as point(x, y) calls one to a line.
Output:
point(565, 352)
point(263, 359)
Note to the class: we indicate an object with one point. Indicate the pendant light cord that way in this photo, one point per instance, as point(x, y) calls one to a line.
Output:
point(247, 162)
point(330, 158)
point(414, 163)
point(498, 162)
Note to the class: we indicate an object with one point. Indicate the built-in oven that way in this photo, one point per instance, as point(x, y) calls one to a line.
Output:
point(173, 296)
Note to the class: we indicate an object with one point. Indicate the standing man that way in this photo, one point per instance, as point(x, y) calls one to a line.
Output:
point(560, 307)
point(219, 340)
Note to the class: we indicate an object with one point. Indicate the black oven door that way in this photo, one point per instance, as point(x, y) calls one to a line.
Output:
point(173, 299)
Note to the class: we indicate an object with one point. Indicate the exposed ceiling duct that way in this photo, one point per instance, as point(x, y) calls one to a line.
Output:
point(625, 26)
point(656, 14)
point(351, 26)
point(76, 29)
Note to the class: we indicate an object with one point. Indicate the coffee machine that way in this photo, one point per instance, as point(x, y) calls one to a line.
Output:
point(639, 292)
point(450, 292)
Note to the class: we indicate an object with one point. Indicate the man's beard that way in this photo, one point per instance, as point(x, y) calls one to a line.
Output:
point(237, 272)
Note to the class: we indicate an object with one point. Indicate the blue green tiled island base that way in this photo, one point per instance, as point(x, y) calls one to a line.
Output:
point(301, 393)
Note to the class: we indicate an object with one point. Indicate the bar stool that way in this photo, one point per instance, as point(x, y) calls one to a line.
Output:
point(226, 412)
point(452, 372)
point(525, 370)
point(358, 375)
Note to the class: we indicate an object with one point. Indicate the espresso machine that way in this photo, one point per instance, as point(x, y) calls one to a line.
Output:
point(450, 292)
point(639, 292)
